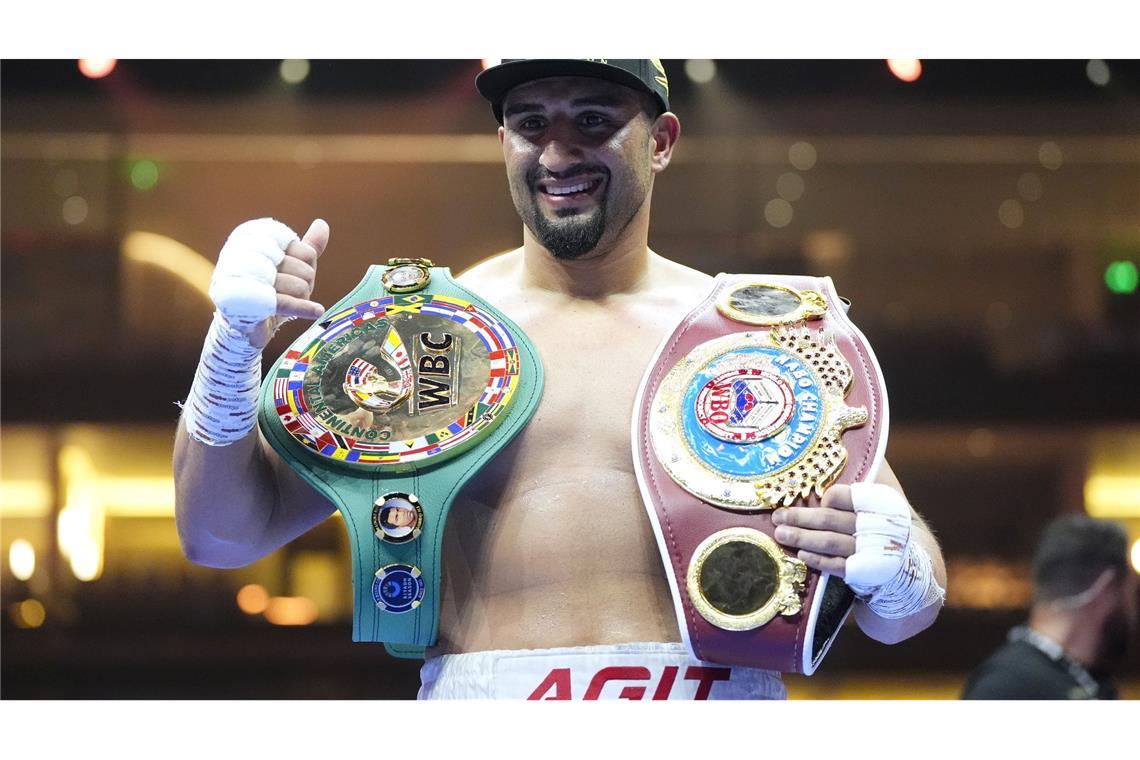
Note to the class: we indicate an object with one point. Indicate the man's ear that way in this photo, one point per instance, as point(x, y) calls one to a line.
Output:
point(1103, 590)
point(665, 131)
point(502, 135)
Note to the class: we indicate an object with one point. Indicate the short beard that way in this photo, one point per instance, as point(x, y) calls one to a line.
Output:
point(1115, 637)
point(573, 238)
point(570, 235)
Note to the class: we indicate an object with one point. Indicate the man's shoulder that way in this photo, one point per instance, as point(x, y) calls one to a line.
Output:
point(491, 273)
point(1016, 671)
point(673, 279)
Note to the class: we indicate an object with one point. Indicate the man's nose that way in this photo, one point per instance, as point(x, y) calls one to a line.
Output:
point(561, 151)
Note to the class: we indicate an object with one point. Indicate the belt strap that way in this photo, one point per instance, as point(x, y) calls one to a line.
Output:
point(387, 406)
point(763, 395)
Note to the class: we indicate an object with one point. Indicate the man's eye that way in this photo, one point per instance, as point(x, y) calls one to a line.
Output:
point(592, 120)
point(530, 123)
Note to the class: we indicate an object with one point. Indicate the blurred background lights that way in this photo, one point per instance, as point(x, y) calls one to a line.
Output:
point(1112, 496)
point(252, 599)
point(29, 613)
point(700, 70)
point(144, 174)
point(987, 583)
point(487, 63)
point(75, 210)
point(1136, 555)
point(828, 250)
point(80, 524)
point(291, 610)
point(1029, 186)
point(802, 155)
point(778, 212)
point(1097, 72)
point(1011, 214)
point(294, 70)
point(906, 69)
point(790, 186)
point(97, 68)
point(1050, 156)
point(1121, 277)
point(178, 259)
point(22, 559)
point(981, 442)
point(85, 561)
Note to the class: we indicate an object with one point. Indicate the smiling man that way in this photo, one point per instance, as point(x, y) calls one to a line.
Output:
point(552, 585)
point(569, 199)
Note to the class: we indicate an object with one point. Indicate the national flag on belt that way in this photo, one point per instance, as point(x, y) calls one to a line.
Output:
point(287, 363)
point(394, 347)
point(358, 372)
point(310, 352)
point(311, 425)
point(340, 315)
point(406, 305)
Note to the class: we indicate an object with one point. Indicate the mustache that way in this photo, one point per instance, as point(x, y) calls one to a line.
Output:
point(541, 172)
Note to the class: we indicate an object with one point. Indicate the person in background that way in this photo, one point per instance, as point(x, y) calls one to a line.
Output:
point(1083, 618)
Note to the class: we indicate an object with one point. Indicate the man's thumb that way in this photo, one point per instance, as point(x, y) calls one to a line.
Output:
point(317, 236)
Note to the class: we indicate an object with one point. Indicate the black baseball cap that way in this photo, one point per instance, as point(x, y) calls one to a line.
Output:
point(645, 75)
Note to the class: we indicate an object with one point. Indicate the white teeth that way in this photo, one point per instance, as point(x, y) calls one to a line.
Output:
point(569, 190)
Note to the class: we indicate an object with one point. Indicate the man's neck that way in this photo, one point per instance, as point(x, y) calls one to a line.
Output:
point(616, 267)
point(1075, 637)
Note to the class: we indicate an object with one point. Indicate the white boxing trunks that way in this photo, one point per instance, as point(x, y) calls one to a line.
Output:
point(619, 671)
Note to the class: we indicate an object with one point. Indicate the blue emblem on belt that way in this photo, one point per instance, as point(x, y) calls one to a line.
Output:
point(398, 588)
point(752, 412)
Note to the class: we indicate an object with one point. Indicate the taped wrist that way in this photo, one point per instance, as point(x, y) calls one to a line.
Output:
point(912, 589)
point(889, 571)
point(222, 406)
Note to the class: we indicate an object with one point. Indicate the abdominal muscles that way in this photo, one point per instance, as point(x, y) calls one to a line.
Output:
point(550, 546)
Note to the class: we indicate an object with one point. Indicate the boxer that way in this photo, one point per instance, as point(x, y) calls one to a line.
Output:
point(552, 586)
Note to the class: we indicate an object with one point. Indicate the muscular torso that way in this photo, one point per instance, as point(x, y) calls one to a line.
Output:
point(549, 545)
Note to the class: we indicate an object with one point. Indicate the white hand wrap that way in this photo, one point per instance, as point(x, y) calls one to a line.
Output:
point(222, 407)
point(243, 283)
point(890, 572)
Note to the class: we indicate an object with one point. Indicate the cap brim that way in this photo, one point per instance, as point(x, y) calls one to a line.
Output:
point(494, 83)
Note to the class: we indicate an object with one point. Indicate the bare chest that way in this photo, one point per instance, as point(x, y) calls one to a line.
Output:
point(552, 534)
point(573, 461)
point(593, 365)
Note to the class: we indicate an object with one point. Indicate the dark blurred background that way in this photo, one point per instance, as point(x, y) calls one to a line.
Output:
point(982, 216)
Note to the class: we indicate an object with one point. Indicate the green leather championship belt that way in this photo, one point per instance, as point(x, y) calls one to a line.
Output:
point(388, 405)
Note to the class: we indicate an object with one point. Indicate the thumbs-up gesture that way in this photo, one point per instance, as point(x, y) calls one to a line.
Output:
point(265, 275)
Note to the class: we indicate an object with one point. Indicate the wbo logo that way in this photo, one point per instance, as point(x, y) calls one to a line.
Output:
point(761, 400)
point(745, 404)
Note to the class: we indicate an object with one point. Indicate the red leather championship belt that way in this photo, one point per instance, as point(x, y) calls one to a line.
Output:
point(764, 395)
